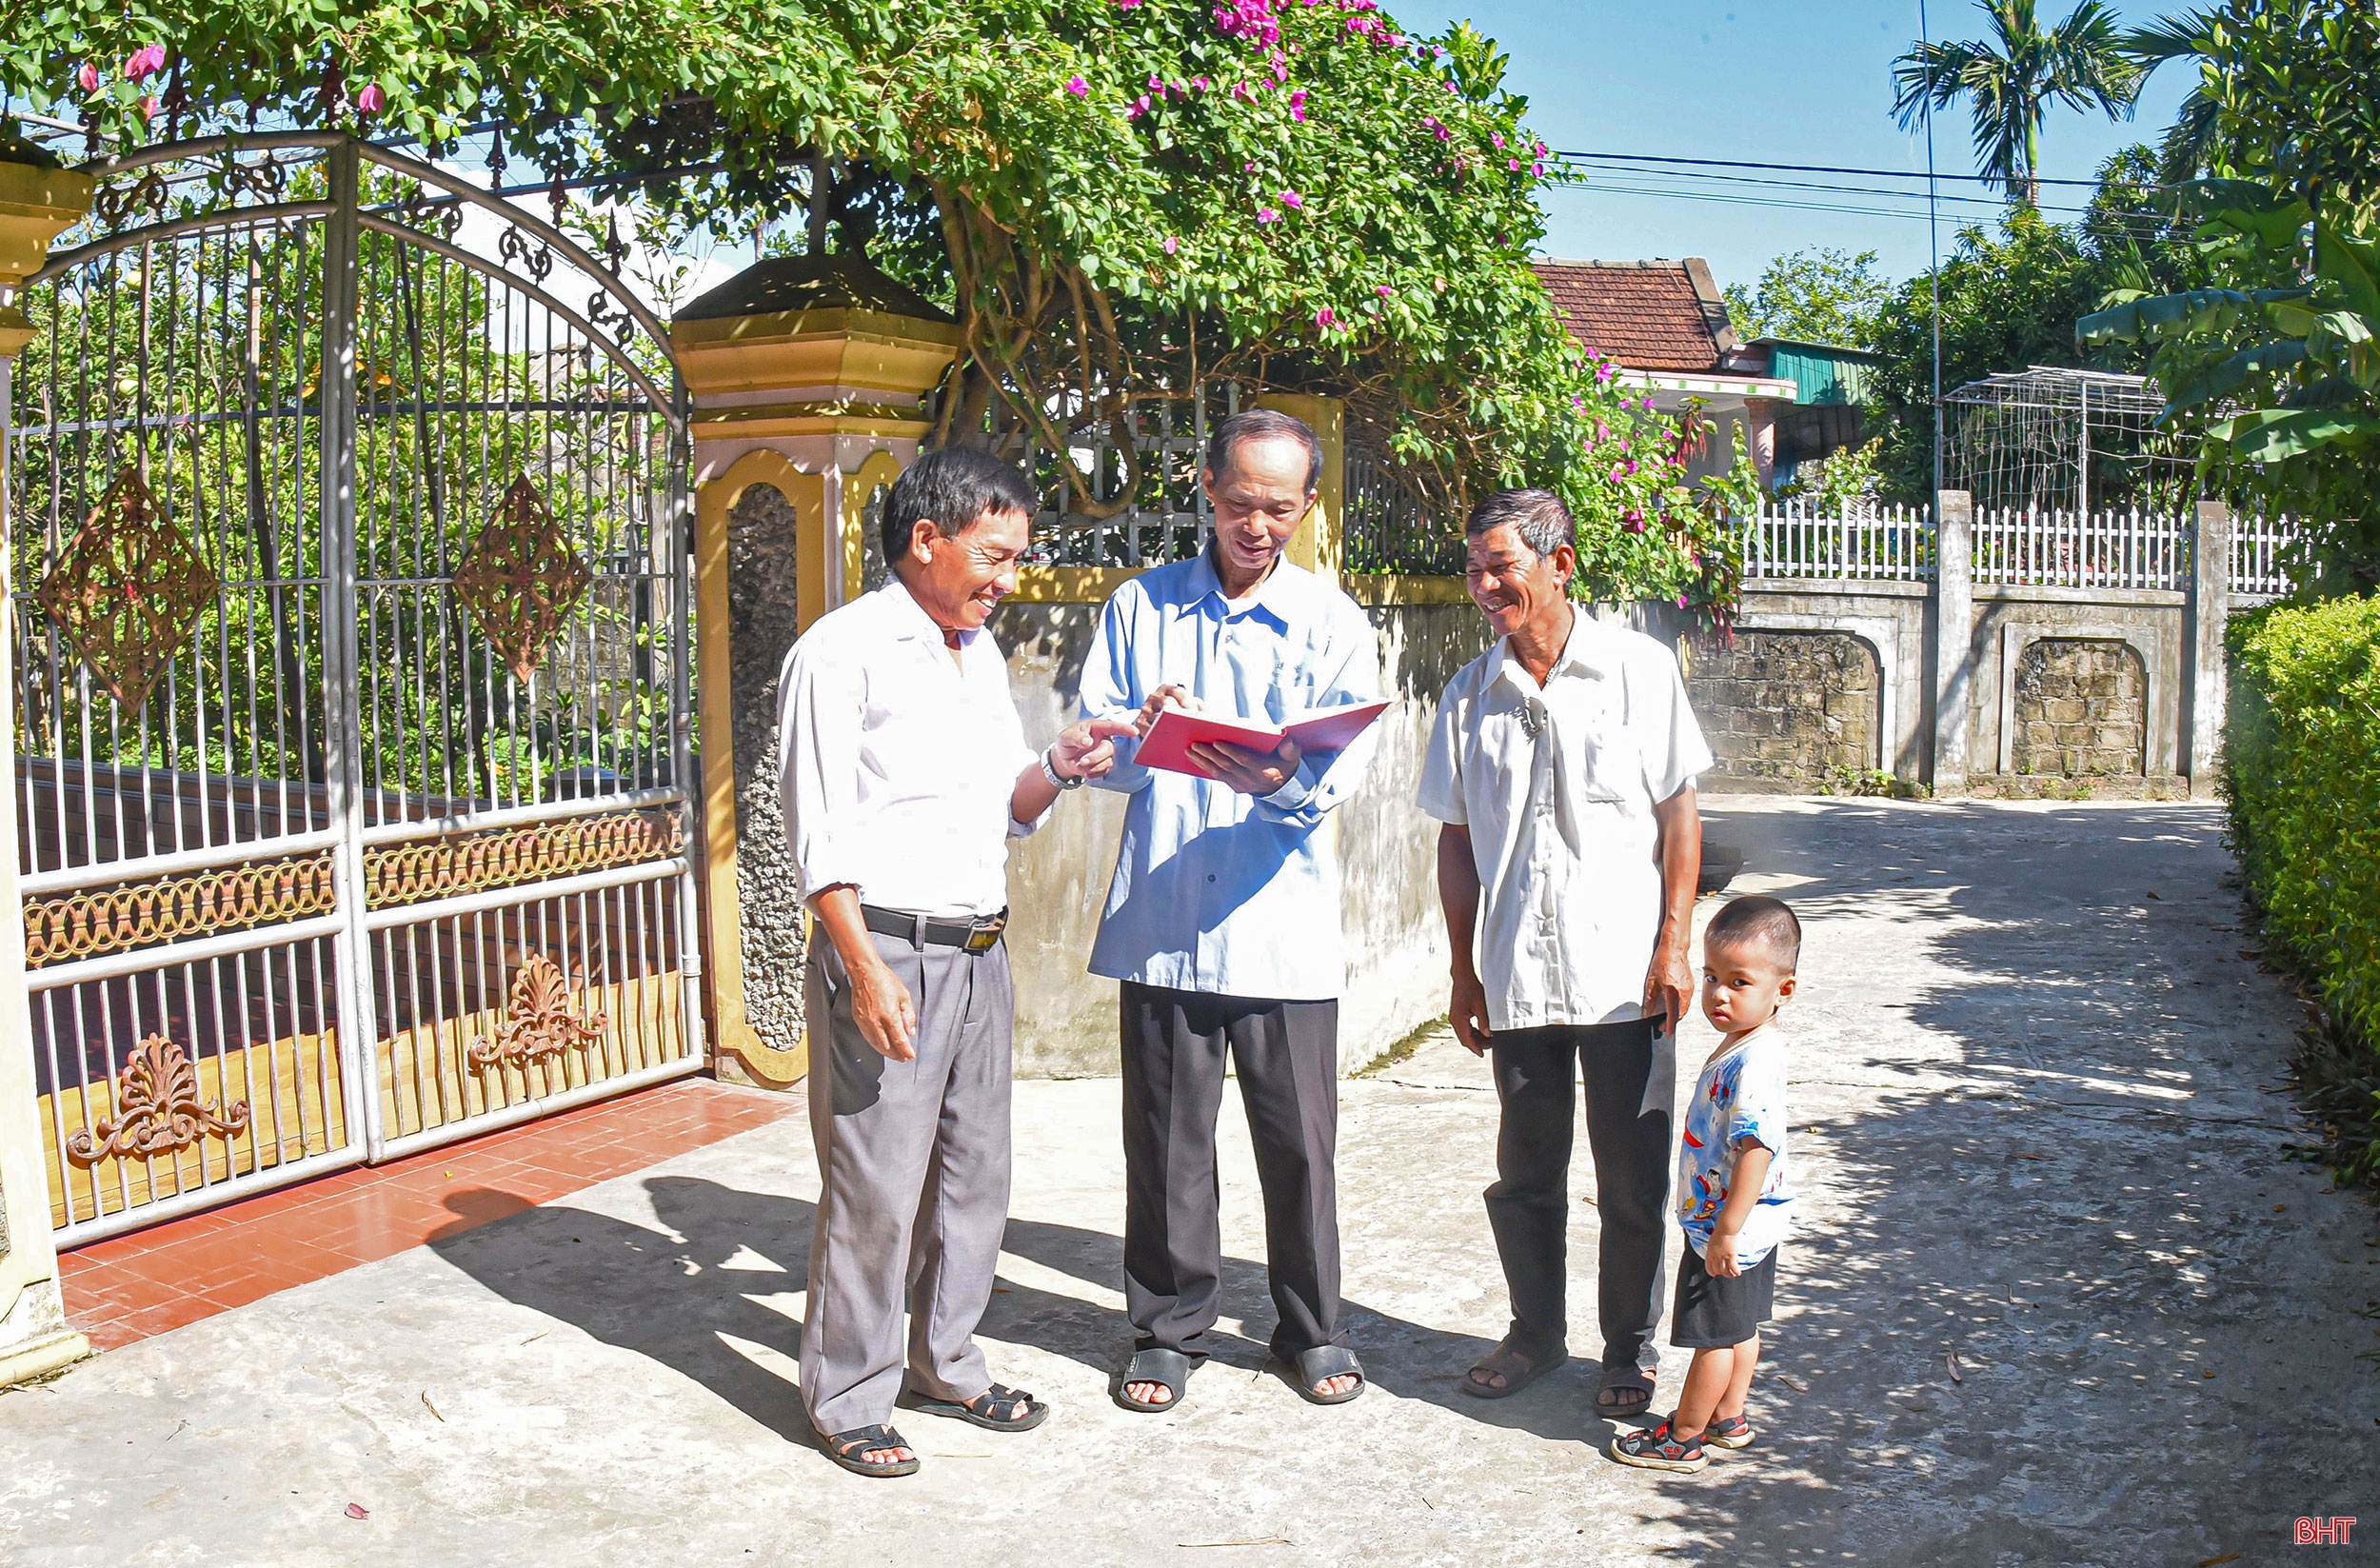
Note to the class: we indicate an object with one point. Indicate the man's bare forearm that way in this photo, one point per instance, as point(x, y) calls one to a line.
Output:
point(1458, 895)
point(1680, 823)
point(838, 910)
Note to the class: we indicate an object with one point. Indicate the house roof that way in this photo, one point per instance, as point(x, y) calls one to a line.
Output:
point(1649, 315)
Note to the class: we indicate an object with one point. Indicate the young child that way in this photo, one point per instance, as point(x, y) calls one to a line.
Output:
point(1734, 1195)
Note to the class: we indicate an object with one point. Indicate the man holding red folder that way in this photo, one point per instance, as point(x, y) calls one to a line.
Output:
point(1222, 921)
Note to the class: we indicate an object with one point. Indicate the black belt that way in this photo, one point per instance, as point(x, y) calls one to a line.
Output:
point(980, 935)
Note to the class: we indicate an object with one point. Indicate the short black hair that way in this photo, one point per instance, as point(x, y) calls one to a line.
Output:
point(1768, 921)
point(1544, 523)
point(1263, 425)
point(953, 488)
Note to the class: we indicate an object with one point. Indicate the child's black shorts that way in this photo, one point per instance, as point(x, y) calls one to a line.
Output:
point(1715, 1314)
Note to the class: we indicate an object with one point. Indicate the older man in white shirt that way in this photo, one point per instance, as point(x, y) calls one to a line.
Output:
point(1562, 767)
point(905, 772)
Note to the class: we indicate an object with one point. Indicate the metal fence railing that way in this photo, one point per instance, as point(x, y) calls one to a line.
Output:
point(1167, 519)
point(1889, 544)
point(1388, 529)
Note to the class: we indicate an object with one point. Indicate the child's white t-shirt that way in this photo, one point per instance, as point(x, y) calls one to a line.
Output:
point(1740, 1095)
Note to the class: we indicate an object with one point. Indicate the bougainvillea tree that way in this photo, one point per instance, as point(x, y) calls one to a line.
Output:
point(1124, 201)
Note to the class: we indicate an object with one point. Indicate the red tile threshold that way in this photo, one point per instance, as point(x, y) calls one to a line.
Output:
point(128, 1288)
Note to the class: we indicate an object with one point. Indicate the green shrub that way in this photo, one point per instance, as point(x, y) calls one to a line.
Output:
point(2302, 777)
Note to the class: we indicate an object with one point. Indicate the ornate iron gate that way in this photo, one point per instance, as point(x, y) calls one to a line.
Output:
point(351, 649)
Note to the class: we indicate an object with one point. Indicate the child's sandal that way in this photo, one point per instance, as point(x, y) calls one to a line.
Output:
point(1660, 1448)
point(1730, 1434)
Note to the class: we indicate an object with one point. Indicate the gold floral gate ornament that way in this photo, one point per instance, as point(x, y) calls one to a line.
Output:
point(128, 590)
point(520, 578)
point(159, 1109)
point(542, 1026)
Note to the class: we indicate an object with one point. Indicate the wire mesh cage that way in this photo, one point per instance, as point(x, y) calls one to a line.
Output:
point(2049, 436)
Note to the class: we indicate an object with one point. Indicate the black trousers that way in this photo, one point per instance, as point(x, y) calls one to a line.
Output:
point(1287, 1056)
point(1631, 1080)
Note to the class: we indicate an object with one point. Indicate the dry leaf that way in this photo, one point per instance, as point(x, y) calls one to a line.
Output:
point(538, 1335)
point(2214, 1562)
point(2153, 895)
point(426, 1405)
point(357, 1511)
point(2022, 1155)
point(1951, 1358)
point(1793, 1383)
point(1268, 1541)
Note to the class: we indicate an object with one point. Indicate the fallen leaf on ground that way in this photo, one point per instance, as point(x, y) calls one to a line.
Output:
point(1793, 1383)
point(2227, 1556)
point(1268, 1541)
point(357, 1511)
point(538, 1335)
point(2153, 895)
point(2022, 1155)
point(426, 1405)
point(1951, 1359)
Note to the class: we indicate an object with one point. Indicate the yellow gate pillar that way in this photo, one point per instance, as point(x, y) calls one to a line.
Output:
point(809, 375)
point(35, 204)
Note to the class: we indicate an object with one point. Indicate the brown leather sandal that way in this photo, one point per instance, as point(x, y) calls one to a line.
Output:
point(1515, 1365)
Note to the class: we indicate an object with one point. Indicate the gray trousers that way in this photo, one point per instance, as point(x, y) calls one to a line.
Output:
point(913, 1183)
point(1630, 1075)
point(1287, 1053)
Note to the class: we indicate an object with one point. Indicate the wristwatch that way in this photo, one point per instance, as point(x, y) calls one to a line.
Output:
point(1057, 780)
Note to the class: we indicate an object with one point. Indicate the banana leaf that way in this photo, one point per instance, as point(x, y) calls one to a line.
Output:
point(2180, 315)
point(2275, 435)
point(2225, 376)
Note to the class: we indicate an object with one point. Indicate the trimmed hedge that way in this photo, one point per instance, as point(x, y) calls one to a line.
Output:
point(2302, 777)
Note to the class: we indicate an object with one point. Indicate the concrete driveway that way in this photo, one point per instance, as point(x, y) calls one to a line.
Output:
point(2061, 1295)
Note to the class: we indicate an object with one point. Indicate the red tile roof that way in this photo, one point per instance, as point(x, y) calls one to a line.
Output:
point(1655, 315)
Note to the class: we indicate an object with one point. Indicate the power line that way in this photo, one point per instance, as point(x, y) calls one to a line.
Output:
point(2139, 223)
point(1827, 168)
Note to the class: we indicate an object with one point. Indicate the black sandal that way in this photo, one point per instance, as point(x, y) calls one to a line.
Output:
point(1627, 1391)
point(1169, 1368)
point(1321, 1362)
point(844, 1448)
point(994, 1410)
point(1515, 1365)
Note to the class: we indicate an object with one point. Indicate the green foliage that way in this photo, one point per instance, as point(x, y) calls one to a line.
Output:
point(2288, 376)
point(2007, 301)
point(1124, 201)
point(2011, 77)
point(1873, 784)
point(2285, 94)
point(2302, 780)
point(1819, 296)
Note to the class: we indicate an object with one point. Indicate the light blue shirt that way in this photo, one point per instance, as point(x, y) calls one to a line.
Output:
point(1217, 891)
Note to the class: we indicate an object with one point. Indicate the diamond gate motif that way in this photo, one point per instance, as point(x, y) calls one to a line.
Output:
point(520, 578)
point(128, 590)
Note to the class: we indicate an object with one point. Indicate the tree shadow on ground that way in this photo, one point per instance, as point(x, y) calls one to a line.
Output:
point(683, 1294)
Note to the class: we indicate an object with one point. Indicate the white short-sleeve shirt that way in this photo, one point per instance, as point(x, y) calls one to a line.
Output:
point(1558, 785)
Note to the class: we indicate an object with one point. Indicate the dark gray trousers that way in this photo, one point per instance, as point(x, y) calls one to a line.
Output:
point(913, 1182)
point(1287, 1056)
point(1631, 1080)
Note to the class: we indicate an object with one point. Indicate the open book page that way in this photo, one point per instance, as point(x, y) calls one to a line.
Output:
point(1168, 742)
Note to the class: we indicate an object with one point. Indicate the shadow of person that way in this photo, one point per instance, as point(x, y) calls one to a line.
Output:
point(712, 1294)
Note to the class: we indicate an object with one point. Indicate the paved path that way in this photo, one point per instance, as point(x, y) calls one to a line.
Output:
point(2039, 1118)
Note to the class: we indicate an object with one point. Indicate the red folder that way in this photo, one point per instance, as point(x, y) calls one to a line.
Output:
point(1168, 742)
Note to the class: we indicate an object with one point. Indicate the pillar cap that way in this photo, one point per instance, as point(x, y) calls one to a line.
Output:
point(36, 205)
point(833, 324)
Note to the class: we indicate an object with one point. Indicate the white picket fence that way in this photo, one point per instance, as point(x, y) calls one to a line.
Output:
point(1890, 544)
point(2012, 547)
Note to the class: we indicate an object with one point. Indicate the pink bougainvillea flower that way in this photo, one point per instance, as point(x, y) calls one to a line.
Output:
point(1291, 199)
point(1540, 149)
point(1682, 601)
point(1265, 214)
point(87, 79)
point(1385, 292)
point(1451, 87)
point(1172, 244)
point(370, 99)
point(1538, 169)
point(1298, 105)
point(145, 61)
point(149, 106)
point(1498, 137)
point(1077, 86)
point(1602, 431)
point(1615, 475)
point(1325, 318)
point(1602, 372)
point(1513, 164)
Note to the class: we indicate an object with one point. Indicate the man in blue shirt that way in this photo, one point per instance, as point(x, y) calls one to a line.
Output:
point(1222, 921)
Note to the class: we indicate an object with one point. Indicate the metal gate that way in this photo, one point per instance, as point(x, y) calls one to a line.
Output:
point(350, 659)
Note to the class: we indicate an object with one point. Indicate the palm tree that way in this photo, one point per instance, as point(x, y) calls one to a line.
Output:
point(2013, 77)
point(2188, 142)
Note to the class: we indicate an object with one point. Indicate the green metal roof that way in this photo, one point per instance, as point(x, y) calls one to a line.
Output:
point(1825, 372)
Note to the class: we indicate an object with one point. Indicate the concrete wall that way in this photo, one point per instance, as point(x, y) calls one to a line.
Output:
point(2081, 709)
point(2012, 622)
point(1058, 879)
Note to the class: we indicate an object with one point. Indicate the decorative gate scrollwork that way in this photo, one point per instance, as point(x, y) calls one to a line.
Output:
point(158, 1108)
point(543, 1025)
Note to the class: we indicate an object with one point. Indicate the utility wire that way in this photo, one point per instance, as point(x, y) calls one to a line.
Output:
point(1827, 168)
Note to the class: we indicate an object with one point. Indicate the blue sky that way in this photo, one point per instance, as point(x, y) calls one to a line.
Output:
point(1783, 81)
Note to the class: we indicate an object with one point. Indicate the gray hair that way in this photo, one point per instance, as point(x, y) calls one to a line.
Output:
point(1263, 425)
point(1539, 516)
